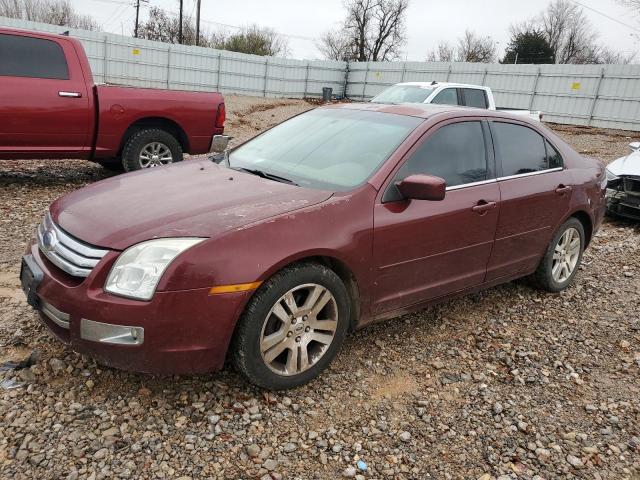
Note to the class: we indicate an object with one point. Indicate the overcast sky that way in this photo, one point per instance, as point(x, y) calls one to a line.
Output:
point(428, 21)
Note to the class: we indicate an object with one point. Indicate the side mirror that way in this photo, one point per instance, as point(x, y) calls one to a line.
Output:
point(635, 146)
point(219, 143)
point(422, 187)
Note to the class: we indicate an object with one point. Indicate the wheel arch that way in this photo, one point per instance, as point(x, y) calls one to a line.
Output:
point(587, 223)
point(162, 123)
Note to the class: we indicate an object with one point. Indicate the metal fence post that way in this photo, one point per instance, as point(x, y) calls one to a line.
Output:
point(535, 89)
point(484, 76)
point(218, 73)
point(306, 81)
point(448, 73)
point(364, 86)
point(168, 67)
point(404, 69)
point(266, 76)
point(595, 98)
point(105, 61)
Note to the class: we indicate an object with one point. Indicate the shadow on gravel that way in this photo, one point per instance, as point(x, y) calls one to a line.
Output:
point(50, 172)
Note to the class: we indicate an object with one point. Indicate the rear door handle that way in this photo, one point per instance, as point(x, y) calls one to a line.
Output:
point(70, 94)
point(562, 189)
point(483, 207)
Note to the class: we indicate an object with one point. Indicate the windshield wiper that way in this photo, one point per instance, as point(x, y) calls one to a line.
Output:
point(268, 176)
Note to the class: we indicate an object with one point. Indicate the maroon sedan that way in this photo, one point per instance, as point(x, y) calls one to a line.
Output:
point(336, 218)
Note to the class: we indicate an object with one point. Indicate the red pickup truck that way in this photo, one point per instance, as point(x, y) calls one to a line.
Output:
point(51, 108)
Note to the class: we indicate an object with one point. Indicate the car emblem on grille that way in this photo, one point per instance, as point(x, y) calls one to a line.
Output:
point(49, 240)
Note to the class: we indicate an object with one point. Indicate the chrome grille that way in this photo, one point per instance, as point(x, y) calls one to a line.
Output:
point(632, 185)
point(71, 255)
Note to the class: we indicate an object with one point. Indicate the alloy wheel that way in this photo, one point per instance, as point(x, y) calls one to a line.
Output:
point(155, 154)
point(566, 255)
point(299, 329)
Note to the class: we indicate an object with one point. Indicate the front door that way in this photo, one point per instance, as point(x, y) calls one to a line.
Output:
point(427, 249)
point(535, 191)
point(44, 102)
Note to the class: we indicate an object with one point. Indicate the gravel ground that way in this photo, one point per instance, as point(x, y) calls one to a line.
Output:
point(510, 383)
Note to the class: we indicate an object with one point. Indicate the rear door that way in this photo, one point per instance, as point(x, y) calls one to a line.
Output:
point(535, 191)
point(427, 249)
point(475, 97)
point(44, 100)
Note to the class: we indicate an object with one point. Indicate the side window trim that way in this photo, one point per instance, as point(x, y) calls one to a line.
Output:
point(498, 160)
point(489, 155)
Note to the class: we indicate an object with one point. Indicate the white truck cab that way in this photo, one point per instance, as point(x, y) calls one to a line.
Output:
point(447, 94)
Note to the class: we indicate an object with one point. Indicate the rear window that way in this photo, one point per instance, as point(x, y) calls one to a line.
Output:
point(474, 97)
point(31, 57)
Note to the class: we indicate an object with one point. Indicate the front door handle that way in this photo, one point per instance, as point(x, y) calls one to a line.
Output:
point(483, 207)
point(70, 94)
point(562, 189)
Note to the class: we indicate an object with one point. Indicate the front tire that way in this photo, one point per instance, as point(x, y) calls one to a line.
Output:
point(562, 258)
point(292, 328)
point(151, 147)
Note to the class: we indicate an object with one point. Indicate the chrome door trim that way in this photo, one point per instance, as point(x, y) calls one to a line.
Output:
point(472, 184)
point(530, 174)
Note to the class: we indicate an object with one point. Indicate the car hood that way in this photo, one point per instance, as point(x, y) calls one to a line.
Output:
point(190, 199)
point(629, 165)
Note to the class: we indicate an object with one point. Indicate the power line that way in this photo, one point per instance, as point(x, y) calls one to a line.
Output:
point(606, 16)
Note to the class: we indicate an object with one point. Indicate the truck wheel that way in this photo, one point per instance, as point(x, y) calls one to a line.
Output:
point(292, 327)
point(149, 148)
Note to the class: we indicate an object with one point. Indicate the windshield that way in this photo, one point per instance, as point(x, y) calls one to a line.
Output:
point(403, 94)
point(330, 149)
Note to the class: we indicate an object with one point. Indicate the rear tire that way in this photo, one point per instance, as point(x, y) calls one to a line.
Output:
point(562, 259)
point(150, 147)
point(292, 328)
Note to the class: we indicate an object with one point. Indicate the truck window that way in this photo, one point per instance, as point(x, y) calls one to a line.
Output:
point(520, 149)
point(31, 57)
point(448, 96)
point(475, 97)
point(455, 152)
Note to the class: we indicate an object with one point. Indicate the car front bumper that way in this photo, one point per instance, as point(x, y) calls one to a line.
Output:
point(177, 332)
point(623, 204)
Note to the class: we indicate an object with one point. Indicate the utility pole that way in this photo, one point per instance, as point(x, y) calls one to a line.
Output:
point(198, 23)
point(135, 32)
point(180, 26)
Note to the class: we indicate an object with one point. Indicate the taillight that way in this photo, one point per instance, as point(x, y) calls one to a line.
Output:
point(221, 116)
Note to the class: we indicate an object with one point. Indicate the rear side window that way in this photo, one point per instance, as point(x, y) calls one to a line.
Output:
point(448, 96)
point(32, 57)
point(474, 97)
point(553, 156)
point(455, 152)
point(520, 149)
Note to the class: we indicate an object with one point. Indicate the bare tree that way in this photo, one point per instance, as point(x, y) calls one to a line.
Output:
point(373, 30)
point(444, 53)
point(474, 48)
point(257, 41)
point(55, 12)
point(569, 32)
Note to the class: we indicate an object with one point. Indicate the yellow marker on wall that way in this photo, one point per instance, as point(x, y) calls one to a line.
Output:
point(575, 86)
point(136, 51)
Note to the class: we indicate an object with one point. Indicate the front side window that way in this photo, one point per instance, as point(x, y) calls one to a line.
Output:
point(31, 57)
point(475, 97)
point(327, 148)
point(520, 149)
point(448, 96)
point(455, 152)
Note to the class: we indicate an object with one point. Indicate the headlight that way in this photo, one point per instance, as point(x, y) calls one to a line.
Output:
point(138, 270)
point(613, 181)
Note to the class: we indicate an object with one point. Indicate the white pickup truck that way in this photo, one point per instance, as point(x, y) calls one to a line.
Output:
point(446, 94)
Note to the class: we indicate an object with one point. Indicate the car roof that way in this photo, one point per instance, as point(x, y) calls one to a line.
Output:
point(440, 84)
point(427, 110)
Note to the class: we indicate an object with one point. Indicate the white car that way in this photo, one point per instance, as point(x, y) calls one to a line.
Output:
point(447, 94)
point(623, 184)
